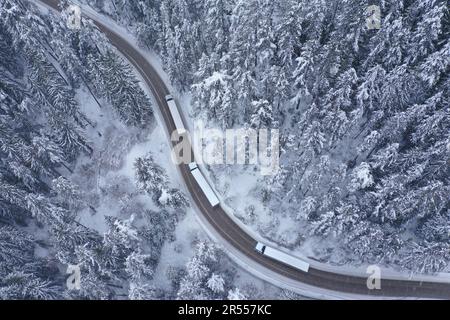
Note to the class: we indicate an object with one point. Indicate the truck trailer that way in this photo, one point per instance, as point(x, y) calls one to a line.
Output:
point(203, 184)
point(282, 257)
point(175, 114)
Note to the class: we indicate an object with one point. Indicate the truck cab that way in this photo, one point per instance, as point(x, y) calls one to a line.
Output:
point(260, 247)
point(192, 166)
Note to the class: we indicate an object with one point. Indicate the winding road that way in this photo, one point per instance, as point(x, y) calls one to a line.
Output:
point(226, 230)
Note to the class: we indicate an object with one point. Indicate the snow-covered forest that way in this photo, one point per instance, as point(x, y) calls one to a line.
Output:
point(85, 172)
point(85, 177)
point(364, 115)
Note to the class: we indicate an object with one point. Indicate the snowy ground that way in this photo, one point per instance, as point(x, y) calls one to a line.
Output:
point(130, 145)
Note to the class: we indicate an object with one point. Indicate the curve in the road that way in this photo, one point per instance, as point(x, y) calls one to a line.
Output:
point(232, 233)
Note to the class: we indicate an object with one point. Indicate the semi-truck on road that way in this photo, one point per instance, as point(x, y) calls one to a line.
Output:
point(282, 257)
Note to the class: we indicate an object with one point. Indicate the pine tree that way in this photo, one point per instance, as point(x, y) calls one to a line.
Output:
point(114, 80)
point(150, 177)
point(23, 286)
point(68, 195)
point(216, 283)
point(236, 294)
point(139, 266)
point(141, 291)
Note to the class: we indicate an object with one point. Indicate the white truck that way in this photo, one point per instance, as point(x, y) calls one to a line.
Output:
point(175, 114)
point(201, 181)
point(282, 257)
